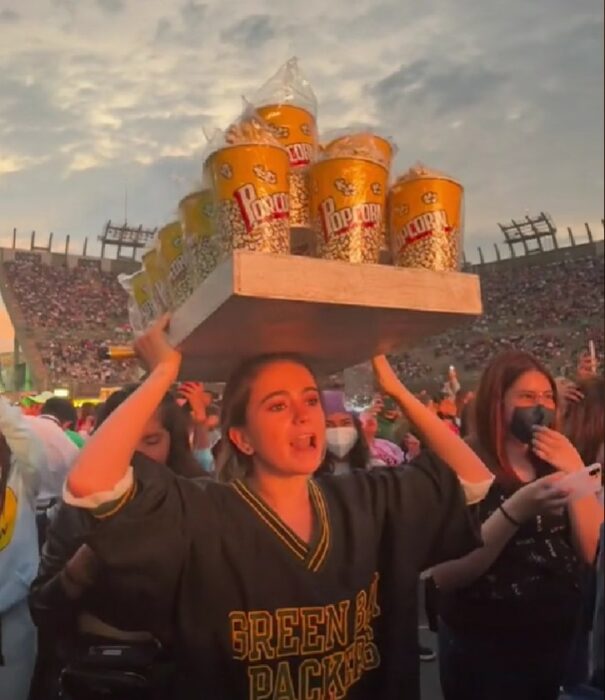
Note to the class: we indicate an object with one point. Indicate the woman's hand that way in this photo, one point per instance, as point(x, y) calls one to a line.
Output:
point(80, 572)
point(568, 393)
point(198, 399)
point(386, 378)
point(539, 497)
point(555, 449)
point(154, 349)
point(587, 366)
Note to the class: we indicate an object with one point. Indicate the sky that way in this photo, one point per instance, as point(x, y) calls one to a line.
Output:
point(103, 97)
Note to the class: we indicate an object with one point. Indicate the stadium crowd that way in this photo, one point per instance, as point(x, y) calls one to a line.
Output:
point(72, 312)
point(150, 545)
point(551, 310)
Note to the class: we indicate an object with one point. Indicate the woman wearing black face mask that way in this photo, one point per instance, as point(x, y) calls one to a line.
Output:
point(508, 610)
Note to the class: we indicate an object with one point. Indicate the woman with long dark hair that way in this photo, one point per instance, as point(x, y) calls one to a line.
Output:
point(584, 419)
point(279, 584)
point(66, 614)
point(509, 609)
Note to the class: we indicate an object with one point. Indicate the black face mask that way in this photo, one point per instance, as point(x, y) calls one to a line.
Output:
point(525, 419)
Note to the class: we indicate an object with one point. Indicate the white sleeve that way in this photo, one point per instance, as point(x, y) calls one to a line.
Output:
point(476, 491)
point(28, 456)
point(103, 498)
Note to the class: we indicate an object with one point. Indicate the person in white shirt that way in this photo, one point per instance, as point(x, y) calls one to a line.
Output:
point(60, 454)
point(21, 460)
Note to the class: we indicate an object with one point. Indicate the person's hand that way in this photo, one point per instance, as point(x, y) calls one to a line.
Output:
point(154, 349)
point(568, 392)
point(586, 369)
point(80, 572)
point(556, 449)
point(198, 399)
point(540, 497)
point(385, 377)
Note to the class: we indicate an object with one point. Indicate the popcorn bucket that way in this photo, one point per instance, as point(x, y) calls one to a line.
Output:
point(157, 280)
point(362, 145)
point(195, 212)
point(143, 298)
point(251, 208)
point(173, 258)
point(348, 198)
point(296, 130)
point(425, 222)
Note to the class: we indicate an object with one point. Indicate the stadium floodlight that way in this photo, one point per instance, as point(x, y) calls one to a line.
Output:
point(530, 233)
point(125, 237)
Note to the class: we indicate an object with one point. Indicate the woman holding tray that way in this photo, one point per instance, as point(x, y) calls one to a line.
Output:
point(279, 585)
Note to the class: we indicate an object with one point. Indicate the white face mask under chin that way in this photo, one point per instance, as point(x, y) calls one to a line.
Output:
point(340, 441)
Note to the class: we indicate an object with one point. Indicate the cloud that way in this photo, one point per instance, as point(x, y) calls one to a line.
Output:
point(193, 13)
point(251, 32)
point(9, 17)
point(449, 87)
point(506, 97)
point(111, 6)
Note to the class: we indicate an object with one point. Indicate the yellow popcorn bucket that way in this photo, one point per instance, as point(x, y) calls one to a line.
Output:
point(157, 279)
point(173, 258)
point(251, 207)
point(425, 222)
point(143, 297)
point(348, 197)
point(296, 129)
point(195, 212)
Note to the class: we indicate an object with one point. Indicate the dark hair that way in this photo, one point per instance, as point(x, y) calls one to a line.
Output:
point(180, 457)
point(62, 409)
point(359, 456)
point(467, 419)
point(491, 431)
point(585, 420)
point(231, 462)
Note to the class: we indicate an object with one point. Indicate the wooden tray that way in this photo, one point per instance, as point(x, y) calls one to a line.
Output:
point(336, 314)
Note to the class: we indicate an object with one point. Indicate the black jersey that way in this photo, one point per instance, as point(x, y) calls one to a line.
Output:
point(257, 613)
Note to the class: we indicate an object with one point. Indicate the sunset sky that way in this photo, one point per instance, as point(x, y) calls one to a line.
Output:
point(102, 95)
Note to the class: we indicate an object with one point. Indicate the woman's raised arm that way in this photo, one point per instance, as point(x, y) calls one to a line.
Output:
point(105, 459)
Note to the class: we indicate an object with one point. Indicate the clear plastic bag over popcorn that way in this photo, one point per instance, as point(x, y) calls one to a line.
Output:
point(287, 103)
point(156, 274)
point(173, 256)
point(287, 87)
point(426, 220)
point(248, 171)
point(142, 310)
point(367, 144)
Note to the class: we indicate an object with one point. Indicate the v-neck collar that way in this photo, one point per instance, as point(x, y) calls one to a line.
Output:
point(312, 555)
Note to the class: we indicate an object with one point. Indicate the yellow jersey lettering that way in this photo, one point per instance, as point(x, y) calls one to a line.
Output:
point(331, 647)
point(313, 642)
point(284, 690)
point(337, 624)
point(287, 619)
point(261, 632)
point(332, 681)
point(310, 670)
point(239, 635)
point(260, 682)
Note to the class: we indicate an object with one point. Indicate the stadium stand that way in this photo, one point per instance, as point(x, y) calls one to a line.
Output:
point(64, 307)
